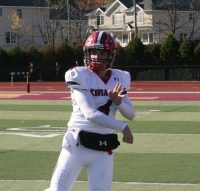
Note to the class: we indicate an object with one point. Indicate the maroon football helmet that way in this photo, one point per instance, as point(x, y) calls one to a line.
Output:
point(99, 41)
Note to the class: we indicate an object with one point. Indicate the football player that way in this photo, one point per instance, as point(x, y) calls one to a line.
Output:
point(97, 93)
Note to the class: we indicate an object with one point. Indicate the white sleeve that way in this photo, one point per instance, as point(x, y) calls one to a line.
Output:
point(76, 78)
point(127, 109)
point(85, 101)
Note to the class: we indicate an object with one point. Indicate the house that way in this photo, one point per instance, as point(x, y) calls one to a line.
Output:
point(150, 20)
point(34, 22)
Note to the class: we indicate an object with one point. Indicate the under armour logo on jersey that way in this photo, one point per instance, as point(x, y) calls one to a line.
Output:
point(101, 143)
point(116, 79)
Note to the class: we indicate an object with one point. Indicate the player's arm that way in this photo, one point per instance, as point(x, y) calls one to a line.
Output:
point(85, 101)
point(120, 98)
point(127, 109)
point(91, 113)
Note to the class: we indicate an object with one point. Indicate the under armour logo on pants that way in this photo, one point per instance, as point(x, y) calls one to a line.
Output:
point(101, 143)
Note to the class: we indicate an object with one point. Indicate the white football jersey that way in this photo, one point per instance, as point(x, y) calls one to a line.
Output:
point(92, 108)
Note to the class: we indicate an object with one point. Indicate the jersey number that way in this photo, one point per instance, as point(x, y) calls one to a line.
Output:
point(106, 107)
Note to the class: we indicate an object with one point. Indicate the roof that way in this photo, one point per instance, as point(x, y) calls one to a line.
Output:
point(180, 5)
point(105, 7)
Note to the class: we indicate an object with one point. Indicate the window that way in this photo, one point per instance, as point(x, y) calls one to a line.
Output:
point(140, 18)
point(10, 37)
point(118, 19)
point(19, 13)
point(1, 12)
point(147, 38)
point(58, 14)
point(100, 20)
point(122, 38)
point(125, 38)
point(183, 35)
point(191, 16)
point(150, 37)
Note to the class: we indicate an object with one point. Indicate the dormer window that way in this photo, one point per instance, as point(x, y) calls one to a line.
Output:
point(118, 18)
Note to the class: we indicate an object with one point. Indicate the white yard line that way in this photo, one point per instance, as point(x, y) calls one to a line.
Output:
point(33, 135)
point(58, 133)
point(115, 182)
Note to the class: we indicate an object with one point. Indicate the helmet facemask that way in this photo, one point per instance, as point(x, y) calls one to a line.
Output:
point(98, 59)
point(99, 51)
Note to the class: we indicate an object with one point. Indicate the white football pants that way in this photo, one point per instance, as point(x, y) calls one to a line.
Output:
point(73, 158)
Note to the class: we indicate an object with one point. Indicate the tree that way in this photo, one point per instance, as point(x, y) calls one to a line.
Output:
point(78, 55)
point(47, 27)
point(18, 26)
point(172, 22)
point(121, 59)
point(74, 13)
point(18, 59)
point(48, 52)
point(65, 55)
point(194, 18)
point(152, 55)
point(135, 55)
point(169, 54)
point(3, 57)
point(33, 55)
point(49, 61)
point(135, 50)
point(169, 50)
point(197, 53)
point(186, 51)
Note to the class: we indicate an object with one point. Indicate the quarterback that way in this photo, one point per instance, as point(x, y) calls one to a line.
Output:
point(97, 92)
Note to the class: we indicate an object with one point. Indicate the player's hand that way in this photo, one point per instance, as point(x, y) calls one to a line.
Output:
point(117, 94)
point(127, 135)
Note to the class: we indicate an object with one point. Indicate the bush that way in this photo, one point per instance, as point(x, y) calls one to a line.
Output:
point(3, 57)
point(121, 59)
point(64, 55)
point(33, 55)
point(18, 59)
point(169, 54)
point(64, 59)
point(49, 61)
point(169, 51)
point(78, 55)
point(49, 56)
point(186, 51)
point(152, 55)
point(197, 54)
point(34, 60)
point(135, 50)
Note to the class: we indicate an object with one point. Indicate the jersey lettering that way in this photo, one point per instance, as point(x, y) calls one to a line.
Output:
point(99, 92)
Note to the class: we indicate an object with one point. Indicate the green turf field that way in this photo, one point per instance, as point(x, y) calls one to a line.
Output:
point(164, 157)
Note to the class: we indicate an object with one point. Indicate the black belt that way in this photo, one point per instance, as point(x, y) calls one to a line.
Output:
point(100, 142)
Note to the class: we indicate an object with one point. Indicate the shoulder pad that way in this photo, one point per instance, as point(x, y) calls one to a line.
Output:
point(125, 77)
point(76, 78)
